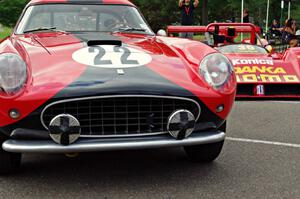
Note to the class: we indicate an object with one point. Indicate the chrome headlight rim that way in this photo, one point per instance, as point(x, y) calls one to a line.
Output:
point(229, 70)
point(8, 93)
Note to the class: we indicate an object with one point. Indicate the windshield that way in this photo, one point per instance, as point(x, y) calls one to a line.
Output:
point(242, 49)
point(83, 18)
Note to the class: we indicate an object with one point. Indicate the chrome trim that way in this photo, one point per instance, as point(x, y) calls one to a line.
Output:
point(113, 144)
point(123, 136)
point(56, 137)
point(117, 96)
point(187, 134)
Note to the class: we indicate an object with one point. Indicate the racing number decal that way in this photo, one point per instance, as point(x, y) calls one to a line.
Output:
point(101, 53)
point(98, 59)
point(126, 54)
point(246, 47)
point(107, 56)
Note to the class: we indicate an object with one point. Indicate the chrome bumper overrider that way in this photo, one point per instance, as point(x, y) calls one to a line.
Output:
point(93, 145)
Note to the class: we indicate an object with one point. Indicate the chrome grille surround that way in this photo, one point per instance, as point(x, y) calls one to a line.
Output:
point(88, 130)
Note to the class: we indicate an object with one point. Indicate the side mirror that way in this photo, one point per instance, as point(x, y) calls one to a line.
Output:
point(162, 33)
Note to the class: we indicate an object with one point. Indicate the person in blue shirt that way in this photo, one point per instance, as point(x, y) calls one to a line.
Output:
point(275, 28)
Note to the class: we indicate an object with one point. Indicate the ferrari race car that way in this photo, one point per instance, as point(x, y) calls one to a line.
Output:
point(85, 76)
point(261, 72)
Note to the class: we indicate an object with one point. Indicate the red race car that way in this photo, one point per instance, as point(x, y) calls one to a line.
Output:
point(261, 72)
point(83, 76)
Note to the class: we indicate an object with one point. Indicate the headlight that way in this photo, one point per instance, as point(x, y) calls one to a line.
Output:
point(216, 69)
point(13, 73)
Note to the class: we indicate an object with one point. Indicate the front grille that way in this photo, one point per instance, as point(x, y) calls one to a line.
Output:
point(120, 116)
point(270, 89)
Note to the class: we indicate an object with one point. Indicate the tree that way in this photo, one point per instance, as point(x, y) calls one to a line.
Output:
point(10, 11)
point(204, 12)
point(159, 13)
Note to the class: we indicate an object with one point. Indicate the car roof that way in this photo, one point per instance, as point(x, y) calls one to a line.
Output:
point(120, 2)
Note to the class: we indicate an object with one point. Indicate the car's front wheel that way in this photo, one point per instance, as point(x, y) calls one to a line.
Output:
point(205, 153)
point(9, 162)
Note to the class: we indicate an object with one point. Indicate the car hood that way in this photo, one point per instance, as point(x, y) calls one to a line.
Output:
point(58, 69)
point(262, 68)
point(65, 62)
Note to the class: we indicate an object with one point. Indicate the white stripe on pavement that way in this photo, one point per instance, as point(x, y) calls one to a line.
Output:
point(287, 102)
point(271, 101)
point(263, 142)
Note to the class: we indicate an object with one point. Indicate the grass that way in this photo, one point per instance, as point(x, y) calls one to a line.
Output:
point(199, 37)
point(4, 32)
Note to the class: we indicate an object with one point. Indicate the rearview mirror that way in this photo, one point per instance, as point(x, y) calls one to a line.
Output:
point(162, 33)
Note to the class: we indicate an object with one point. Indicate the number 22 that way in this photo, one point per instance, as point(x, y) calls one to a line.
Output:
point(98, 60)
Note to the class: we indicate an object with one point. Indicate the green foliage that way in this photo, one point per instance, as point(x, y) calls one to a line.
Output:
point(10, 11)
point(296, 13)
point(4, 32)
point(161, 13)
point(226, 9)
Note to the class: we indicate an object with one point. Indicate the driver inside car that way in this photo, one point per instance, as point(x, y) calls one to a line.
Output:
point(114, 24)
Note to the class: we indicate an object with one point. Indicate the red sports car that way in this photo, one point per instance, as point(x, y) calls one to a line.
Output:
point(83, 76)
point(261, 72)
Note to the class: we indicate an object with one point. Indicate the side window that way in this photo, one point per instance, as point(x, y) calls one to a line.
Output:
point(39, 20)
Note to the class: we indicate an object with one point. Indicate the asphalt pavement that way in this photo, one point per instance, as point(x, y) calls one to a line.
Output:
point(261, 159)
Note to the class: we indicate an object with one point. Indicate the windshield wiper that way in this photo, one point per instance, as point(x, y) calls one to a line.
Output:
point(130, 29)
point(43, 29)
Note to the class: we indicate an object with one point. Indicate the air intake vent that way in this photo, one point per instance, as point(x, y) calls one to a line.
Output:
point(120, 116)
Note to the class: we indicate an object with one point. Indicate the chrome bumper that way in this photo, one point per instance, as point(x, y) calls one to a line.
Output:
point(93, 145)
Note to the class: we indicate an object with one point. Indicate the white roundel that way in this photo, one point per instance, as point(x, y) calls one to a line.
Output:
point(108, 56)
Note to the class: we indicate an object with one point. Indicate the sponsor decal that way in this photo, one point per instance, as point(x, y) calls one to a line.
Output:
point(108, 56)
point(252, 61)
point(257, 69)
point(254, 74)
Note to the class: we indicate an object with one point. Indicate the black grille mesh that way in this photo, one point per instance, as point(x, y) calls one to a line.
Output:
point(121, 115)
